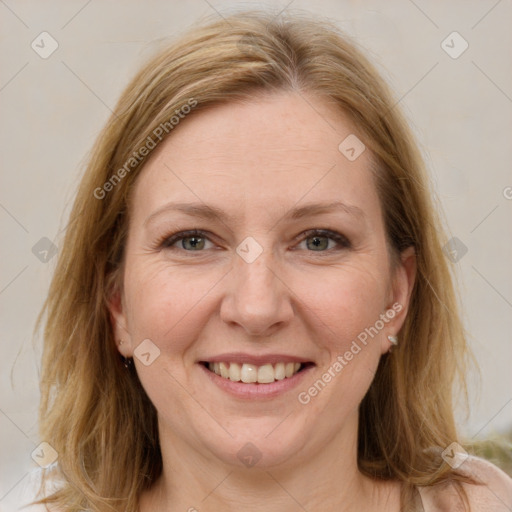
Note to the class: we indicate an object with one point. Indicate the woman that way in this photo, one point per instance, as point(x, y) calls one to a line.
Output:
point(252, 308)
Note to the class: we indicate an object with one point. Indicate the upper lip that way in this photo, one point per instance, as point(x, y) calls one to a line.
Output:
point(259, 360)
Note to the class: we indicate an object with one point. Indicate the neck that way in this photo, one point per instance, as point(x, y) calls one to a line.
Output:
point(328, 481)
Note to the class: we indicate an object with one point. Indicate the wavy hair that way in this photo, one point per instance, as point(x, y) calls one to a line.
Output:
point(94, 412)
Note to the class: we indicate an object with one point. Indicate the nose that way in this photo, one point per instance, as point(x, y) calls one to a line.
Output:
point(258, 299)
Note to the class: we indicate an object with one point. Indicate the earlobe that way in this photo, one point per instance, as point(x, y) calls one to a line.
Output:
point(122, 337)
point(402, 285)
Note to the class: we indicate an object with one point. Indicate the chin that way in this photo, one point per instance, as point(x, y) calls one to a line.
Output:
point(264, 444)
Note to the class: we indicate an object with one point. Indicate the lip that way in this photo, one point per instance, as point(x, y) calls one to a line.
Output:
point(241, 358)
point(256, 391)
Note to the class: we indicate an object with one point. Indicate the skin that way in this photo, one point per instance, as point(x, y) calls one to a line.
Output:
point(256, 161)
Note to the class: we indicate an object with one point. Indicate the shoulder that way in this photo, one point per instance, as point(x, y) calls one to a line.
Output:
point(493, 494)
point(29, 489)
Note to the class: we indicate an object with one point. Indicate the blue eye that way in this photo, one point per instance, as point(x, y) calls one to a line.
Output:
point(317, 240)
point(193, 240)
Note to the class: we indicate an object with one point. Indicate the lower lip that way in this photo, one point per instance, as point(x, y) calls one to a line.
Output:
point(256, 390)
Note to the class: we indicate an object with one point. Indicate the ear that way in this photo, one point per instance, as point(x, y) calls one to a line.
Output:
point(402, 283)
point(119, 322)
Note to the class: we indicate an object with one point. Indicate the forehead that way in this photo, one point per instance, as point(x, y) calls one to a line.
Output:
point(258, 157)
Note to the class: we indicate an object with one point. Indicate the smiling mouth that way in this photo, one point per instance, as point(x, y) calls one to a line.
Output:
point(251, 373)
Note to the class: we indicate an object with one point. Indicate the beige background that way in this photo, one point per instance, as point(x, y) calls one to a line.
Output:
point(52, 109)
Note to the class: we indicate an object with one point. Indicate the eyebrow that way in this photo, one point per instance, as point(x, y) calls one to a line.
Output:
point(205, 211)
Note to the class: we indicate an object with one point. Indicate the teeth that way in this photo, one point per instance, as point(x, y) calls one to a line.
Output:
point(224, 370)
point(234, 372)
point(250, 373)
point(266, 374)
point(279, 372)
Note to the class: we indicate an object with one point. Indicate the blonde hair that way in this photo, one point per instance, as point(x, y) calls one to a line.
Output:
point(94, 412)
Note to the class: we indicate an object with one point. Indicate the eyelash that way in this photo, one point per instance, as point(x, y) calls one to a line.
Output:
point(342, 241)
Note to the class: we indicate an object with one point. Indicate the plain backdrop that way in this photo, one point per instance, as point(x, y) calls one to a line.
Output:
point(458, 103)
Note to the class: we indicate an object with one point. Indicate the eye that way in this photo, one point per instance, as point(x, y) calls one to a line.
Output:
point(316, 240)
point(193, 240)
point(323, 240)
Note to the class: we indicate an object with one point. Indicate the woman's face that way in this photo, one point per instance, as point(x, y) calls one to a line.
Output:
point(257, 290)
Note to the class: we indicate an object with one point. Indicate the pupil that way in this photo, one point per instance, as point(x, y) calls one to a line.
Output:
point(319, 242)
point(195, 242)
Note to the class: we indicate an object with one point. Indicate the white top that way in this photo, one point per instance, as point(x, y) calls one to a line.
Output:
point(495, 496)
point(26, 491)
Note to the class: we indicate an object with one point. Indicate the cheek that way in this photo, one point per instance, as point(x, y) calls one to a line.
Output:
point(347, 310)
point(345, 300)
point(167, 304)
